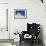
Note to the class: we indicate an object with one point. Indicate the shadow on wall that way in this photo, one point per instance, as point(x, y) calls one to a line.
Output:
point(41, 34)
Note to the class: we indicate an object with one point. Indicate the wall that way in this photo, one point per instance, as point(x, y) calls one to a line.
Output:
point(3, 1)
point(35, 13)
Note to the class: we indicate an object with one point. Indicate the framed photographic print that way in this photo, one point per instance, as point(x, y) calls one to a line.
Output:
point(20, 13)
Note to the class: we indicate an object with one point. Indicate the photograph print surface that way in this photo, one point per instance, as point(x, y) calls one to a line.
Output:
point(20, 13)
